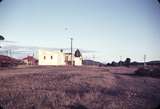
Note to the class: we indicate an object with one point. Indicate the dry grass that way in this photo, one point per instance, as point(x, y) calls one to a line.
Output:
point(77, 88)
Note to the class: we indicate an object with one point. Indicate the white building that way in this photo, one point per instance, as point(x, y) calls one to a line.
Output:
point(77, 61)
point(77, 58)
point(51, 57)
point(58, 58)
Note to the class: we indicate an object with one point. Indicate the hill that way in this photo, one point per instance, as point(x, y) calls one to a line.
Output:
point(91, 62)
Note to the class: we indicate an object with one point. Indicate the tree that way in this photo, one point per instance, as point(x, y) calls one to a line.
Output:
point(77, 53)
point(113, 63)
point(127, 62)
point(120, 63)
point(1, 37)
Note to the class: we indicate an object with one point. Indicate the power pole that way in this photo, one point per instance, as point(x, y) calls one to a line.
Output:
point(9, 52)
point(120, 61)
point(71, 50)
point(144, 60)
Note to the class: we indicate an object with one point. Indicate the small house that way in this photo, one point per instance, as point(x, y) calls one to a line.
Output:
point(30, 60)
point(59, 58)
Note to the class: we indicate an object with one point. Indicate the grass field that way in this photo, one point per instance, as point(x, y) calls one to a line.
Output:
point(47, 87)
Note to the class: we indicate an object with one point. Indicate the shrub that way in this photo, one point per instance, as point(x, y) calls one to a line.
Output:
point(127, 62)
point(151, 72)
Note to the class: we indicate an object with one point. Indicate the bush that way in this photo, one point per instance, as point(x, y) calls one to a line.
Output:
point(127, 62)
point(151, 72)
point(114, 63)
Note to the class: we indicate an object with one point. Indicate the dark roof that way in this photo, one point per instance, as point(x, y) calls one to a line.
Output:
point(68, 53)
point(7, 59)
point(29, 58)
point(77, 53)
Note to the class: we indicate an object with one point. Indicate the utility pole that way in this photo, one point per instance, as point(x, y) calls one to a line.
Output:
point(120, 58)
point(144, 60)
point(120, 62)
point(93, 59)
point(9, 52)
point(71, 50)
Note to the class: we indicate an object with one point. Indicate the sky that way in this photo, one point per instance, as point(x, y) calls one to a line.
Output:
point(109, 30)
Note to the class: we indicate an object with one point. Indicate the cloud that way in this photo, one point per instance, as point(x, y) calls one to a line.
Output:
point(35, 48)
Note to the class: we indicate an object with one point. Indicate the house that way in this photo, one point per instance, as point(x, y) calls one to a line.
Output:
point(30, 60)
point(68, 58)
point(51, 57)
point(58, 58)
point(6, 61)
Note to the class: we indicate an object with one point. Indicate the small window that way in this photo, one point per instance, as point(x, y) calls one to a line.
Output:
point(44, 57)
point(51, 57)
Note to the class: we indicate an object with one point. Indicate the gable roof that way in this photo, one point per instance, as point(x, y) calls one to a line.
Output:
point(29, 58)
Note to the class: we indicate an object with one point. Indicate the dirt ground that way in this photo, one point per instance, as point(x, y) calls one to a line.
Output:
point(47, 87)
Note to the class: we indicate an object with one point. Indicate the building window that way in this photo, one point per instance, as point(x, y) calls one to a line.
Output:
point(51, 57)
point(44, 57)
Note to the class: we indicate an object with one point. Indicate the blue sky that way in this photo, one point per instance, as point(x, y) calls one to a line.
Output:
point(110, 28)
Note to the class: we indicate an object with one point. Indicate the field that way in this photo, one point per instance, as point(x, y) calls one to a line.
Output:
point(47, 87)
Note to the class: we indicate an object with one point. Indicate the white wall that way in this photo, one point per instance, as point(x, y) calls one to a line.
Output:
point(58, 58)
point(77, 61)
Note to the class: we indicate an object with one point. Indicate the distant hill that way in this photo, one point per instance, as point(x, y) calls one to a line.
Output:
point(157, 62)
point(91, 62)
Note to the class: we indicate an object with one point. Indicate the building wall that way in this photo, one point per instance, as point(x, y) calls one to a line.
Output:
point(68, 57)
point(57, 58)
point(26, 61)
point(51, 58)
point(77, 61)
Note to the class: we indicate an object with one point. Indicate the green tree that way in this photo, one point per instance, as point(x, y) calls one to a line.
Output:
point(127, 62)
point(1, 37)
